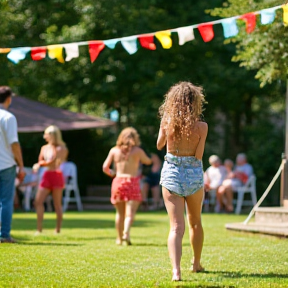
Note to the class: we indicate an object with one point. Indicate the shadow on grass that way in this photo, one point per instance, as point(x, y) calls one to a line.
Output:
point(150, 244)
point(202, 286)
point(236, 274)
point(30, 224)
point(47, 244)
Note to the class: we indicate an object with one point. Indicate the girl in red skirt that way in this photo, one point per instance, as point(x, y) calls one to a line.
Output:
point(125, 191)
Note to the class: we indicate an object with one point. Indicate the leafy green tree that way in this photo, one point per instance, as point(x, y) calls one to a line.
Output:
point(134, 84)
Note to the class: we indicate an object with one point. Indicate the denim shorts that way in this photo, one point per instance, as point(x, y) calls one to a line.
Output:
point(182, 175)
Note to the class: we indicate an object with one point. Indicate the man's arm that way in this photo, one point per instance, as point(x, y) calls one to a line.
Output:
point(16, 150)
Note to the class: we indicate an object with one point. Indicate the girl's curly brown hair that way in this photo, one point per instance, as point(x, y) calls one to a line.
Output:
point(182, 107)
point(128, 137)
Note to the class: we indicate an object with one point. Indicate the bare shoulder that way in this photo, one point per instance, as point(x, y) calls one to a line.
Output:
point(114, 150)
point(61, 148)
point(44, 147)
point(137, 149)
point(202, 128)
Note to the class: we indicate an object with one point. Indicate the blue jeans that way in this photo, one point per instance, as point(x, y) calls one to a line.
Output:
point(7, 190)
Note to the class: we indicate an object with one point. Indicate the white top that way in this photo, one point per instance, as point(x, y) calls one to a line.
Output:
point(8, 135)
point(215, 176)
point(245, 168)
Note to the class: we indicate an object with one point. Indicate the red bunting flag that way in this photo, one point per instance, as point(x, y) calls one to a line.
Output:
point(206, 31)
point(95, 47)
point(147, 41)
point(38, 53)
point(250, 20)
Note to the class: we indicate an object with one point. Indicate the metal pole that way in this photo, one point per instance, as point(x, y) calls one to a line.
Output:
point(284, 176)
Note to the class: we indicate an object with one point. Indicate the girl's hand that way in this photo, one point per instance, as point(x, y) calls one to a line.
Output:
point(112, 173)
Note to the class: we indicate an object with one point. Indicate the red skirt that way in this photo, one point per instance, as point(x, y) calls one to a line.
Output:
point(52, 179)
point(125, 189)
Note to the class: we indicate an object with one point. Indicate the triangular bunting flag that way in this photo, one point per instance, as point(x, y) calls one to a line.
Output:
point(267, 16)
point(185, 34)
point(95, 47)
point(17, 54)
point(230, 27)
point(38, 53)
point(206, 31)
point(72, 51)
point(56, 52)
point(5, 50)
point(250, 20)
point(285, 14)
point(164, 38)
point(111, 43)
point(147, 41)
point(130, 44)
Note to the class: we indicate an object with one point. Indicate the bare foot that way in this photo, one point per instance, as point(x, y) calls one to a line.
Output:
point(197, 269)
point(176, 275)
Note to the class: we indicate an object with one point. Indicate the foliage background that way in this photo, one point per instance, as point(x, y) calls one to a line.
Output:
point(242, 117)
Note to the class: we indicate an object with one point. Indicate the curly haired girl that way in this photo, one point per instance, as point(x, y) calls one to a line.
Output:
point(184, 135)
point(125, 190)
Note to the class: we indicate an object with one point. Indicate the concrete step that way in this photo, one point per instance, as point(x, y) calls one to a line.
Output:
point(276, 229)
point(271, 215)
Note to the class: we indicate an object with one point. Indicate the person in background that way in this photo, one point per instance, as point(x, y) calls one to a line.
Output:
point(238, 178)
point(51, 156)
point(125, 191)
point(229, 174)
point(151, 181)
point(10, 156)
point(184, 135)
point(213, 177)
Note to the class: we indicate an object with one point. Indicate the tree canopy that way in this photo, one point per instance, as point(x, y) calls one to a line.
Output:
point(240, 115)
point(264, 50)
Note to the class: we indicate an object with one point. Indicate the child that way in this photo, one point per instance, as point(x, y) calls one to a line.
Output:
point(125, 190)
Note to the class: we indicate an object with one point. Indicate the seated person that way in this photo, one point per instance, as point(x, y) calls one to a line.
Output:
point(214, 176)
point(238, 178)
point(25, 188)
point(151, 181)
point(228, 165)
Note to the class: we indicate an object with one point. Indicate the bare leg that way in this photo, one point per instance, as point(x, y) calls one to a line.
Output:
point(229, 198)
point(39, 201)
point(175, 208)
point(57, 200)
point(119, 220)
point(194, 207)
point(131, 208)
point(156, 196)
point(220, 194)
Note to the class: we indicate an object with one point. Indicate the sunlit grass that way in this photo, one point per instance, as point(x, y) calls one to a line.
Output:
point(85, 254)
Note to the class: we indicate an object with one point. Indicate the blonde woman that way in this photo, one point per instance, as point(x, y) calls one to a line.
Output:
point(51, 156)
point(184, 135)
point(125, 190)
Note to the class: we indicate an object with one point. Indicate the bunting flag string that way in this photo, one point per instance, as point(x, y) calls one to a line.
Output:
point(130, 43)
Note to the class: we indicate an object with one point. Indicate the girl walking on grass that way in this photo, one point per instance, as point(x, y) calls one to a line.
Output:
point(51, 156)
point(184, 135)
point(125, 191)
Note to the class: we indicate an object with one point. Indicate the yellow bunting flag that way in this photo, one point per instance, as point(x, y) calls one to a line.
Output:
point(285, 14)
point(5, 50)
point(164, 38)
point(55, 52)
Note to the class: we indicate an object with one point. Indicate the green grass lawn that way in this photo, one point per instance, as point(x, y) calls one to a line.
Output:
point(85, 254)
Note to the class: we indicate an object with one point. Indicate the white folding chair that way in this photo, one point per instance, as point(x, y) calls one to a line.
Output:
point(69, 171)
point(249, 187)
